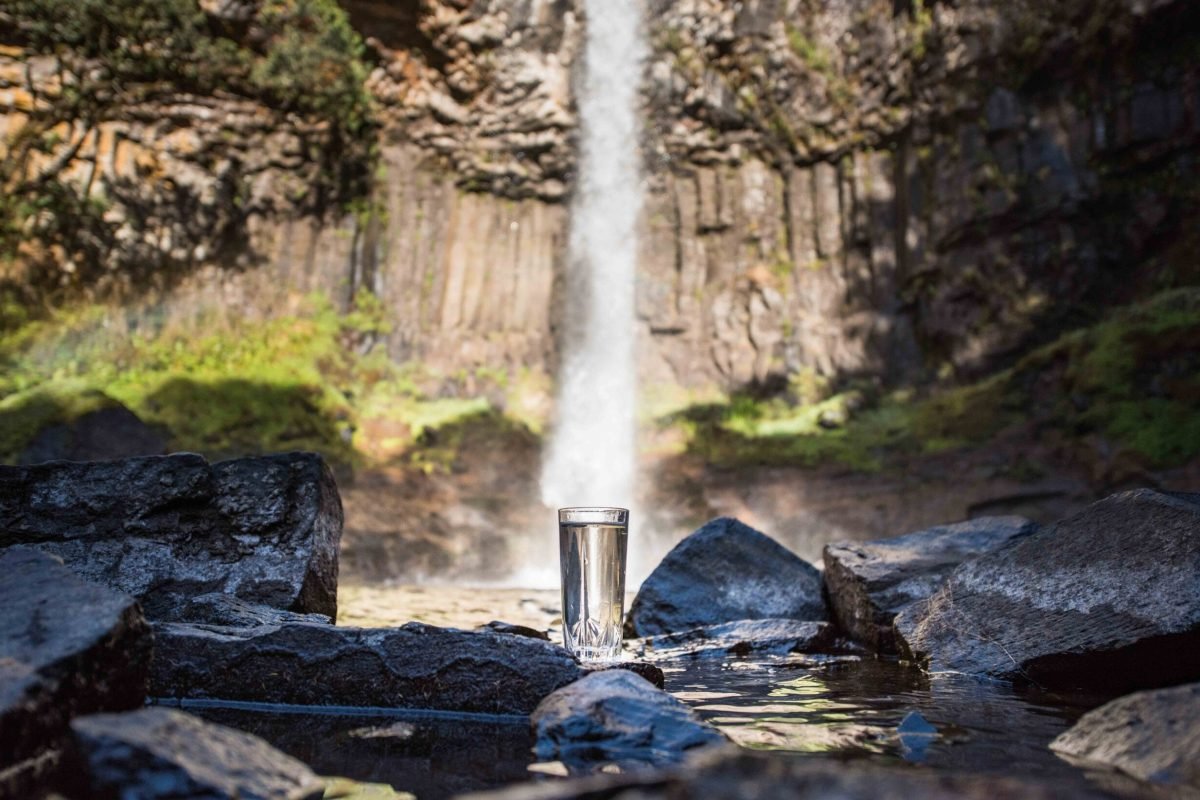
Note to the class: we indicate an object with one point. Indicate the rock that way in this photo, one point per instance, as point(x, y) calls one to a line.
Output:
point(734, 774)
point(413, 666)
point(430, 755)
point(67, 647)
point(514, 630)
point(169, 528)
point(1108, 598)
point(1151, 735)
point(724, 572)
point(869, 583)
point(230, 611)
point(617, 717)
point(111, 432)
point(741, 638)
point(163, 753)
point(644, 669)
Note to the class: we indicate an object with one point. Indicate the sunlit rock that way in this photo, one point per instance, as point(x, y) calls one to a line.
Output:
point(1108, 598)
point(869, 583)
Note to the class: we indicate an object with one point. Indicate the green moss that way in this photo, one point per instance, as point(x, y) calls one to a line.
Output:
point(1134, 378)
point(807, 50)
point(300, 382)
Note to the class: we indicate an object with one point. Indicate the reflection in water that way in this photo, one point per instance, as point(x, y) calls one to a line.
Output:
point(813, 706)
point(877, 709)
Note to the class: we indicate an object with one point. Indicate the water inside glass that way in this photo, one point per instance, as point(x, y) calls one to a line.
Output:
point(592, 544)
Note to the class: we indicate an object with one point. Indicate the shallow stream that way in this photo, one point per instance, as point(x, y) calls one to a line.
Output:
point(838, 707)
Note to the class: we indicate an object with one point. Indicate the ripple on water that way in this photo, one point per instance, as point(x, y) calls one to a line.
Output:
point(852, 707)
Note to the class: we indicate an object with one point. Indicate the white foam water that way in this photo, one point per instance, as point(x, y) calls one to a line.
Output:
point(591, 457)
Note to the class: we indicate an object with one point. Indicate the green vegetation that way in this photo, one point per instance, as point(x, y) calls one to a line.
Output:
point(291, 383)
point(313, 381)
point(306, 57)
point(808, 51)
point(1133, 379)
point(115, 55)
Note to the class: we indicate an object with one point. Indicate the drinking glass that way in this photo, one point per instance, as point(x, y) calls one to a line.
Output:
point(591, 546)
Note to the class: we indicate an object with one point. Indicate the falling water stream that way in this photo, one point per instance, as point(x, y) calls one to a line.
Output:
point(591, 457)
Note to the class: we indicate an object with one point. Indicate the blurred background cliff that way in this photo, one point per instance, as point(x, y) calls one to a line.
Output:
point(902, 262)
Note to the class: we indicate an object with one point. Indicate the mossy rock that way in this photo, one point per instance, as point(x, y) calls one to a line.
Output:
point(65, 421)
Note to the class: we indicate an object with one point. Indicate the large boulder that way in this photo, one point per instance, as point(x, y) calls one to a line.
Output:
point(168, 528)
point(1152, 735)
point(163, 754)
point(413, 666)
point(869, 583)
point(67, 647)
point(724, 572)
point(742, 638)
point(734, 774)
point(109, 432)
point(1108, 598)
point(619, 718)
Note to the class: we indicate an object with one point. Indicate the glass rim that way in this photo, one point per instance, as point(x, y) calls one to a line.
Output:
point(612, 514)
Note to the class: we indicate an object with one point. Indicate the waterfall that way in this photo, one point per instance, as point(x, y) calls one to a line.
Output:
point(591, 457)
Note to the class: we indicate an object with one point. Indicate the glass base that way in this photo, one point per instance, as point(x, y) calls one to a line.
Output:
point(597, 655)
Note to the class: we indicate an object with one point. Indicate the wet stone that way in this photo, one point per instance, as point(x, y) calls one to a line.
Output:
point(413, 666)
point(169, 528)
point(741, 638)
point(643, 669)
point(161, 753)
point(616, 717)
point(869, 583)
point(515, 630)
point(1108, 599)
point(67, 647)
point(724, 572)
point(1153, 735)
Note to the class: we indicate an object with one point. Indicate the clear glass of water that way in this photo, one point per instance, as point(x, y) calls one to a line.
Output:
point(591, 546)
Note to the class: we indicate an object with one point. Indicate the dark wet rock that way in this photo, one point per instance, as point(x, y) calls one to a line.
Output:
point(742, 638)
point(67, 647)
point(869, 583)
point(644, 669)
point(111, 432)
point(1152, 735)
point(168, 528)
point(514, 630)
point(732, 774)
point(723, 572)
point(413, 666)
point(230, 611)
point(431, 756)
point(616, 717)
point(163, 753)
point(1108, 598)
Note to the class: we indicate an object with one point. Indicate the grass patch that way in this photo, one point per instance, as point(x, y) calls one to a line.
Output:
point(297, 382)
point(1134, 379)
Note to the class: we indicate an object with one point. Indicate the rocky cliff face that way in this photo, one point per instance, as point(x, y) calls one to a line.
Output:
point(894, 190)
